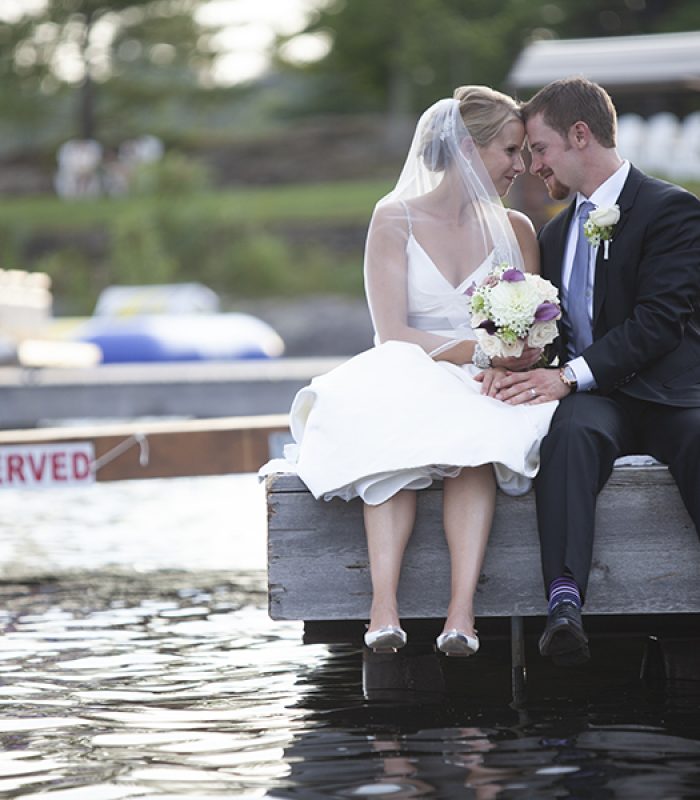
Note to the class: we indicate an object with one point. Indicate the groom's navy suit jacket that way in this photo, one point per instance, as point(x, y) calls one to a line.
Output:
point(646, 307)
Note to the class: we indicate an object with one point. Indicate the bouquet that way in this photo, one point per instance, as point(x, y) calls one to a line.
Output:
point(511, 309)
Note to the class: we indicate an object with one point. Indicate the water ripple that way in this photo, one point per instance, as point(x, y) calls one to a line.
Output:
point(170, 681)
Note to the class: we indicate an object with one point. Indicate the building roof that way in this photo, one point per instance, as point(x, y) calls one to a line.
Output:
point(668, 60)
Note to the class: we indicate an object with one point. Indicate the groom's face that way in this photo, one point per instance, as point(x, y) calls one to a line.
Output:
point(553, 159)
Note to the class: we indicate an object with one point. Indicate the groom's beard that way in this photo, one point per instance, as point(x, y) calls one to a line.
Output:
point(557, 190)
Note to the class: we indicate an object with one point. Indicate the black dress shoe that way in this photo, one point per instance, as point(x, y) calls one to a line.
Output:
point(564, 638)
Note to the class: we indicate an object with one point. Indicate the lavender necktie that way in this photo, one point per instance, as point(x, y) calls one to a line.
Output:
point(579, 291)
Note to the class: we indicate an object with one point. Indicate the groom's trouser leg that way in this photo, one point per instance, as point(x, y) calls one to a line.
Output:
point(673, 436)
point(588, 432)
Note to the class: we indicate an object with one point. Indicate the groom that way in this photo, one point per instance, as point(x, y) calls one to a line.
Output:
point(629, 340)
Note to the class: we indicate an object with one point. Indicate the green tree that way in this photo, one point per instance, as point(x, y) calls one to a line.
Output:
point(399, 55)
point(388, 55)
point(133, 53)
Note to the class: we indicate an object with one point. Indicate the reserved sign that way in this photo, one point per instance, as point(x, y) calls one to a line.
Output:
point(46, 464)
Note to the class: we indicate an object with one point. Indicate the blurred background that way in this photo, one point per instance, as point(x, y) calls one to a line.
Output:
point(241, 144)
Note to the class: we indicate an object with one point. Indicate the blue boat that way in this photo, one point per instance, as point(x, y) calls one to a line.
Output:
point(176, 322)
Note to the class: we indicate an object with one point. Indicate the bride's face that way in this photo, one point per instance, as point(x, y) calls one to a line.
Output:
point(502, 156)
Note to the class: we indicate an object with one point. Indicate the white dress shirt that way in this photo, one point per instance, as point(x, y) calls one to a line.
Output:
point(605, 195)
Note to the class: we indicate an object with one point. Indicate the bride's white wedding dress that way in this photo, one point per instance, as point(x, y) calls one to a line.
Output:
point(393, 418)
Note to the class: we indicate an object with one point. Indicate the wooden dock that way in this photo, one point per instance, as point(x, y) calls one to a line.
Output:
point(646, 564)
point(646, 558)
point(148, 449)
point(200, 390)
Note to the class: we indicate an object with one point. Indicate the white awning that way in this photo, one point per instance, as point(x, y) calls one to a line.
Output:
point(669, 60)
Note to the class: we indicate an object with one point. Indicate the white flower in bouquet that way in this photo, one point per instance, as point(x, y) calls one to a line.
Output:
point(542, 334)
point(513, 308)
point(494, 346)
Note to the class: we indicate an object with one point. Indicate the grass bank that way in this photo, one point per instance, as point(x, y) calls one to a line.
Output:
point(279, 241)
point(329, 202)
point(252, 242)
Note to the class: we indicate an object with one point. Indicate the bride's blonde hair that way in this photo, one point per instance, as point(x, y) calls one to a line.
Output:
point(485, 111)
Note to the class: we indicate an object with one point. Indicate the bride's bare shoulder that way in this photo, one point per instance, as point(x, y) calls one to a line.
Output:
point(527, 239)
point(390, 211)
point(522, 224)
point(390, 219)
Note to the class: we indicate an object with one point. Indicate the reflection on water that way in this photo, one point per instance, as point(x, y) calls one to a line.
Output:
point(137, 660)
point(200, 524)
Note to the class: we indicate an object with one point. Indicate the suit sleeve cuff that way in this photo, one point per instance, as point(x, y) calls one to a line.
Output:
point(584, 376)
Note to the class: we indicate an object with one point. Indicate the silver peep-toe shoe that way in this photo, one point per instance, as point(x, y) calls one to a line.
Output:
point(388, 639)
point(457, 643)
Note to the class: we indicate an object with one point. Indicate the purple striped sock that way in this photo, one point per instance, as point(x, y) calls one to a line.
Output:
point(563, 590)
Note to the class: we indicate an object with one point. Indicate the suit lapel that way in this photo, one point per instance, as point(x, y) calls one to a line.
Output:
point(625, 201)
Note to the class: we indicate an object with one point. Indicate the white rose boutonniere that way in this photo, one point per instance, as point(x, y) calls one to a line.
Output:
point(599, 226)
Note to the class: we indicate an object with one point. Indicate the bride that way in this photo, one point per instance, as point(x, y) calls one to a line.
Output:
point(420, 405)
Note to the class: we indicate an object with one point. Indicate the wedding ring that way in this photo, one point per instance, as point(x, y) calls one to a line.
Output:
point(533, 393)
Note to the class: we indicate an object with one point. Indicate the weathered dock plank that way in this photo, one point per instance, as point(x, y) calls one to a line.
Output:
point(646, 557)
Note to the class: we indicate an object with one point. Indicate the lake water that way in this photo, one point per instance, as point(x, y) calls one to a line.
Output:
point(137, 660)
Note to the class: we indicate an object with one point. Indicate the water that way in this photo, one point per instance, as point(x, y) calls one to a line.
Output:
point(138, 661)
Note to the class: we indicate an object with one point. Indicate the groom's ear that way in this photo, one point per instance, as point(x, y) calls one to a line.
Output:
point(579, 135)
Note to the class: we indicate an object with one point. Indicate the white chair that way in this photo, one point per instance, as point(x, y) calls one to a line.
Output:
point(685, 161)
point(145, 149)
point(659, 146)
point(631, 131)
point(78, 173)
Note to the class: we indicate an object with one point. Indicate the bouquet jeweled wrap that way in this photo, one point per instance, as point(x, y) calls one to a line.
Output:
point(511, 309)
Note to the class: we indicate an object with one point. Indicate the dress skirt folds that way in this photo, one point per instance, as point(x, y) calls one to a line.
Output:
point(393, 418)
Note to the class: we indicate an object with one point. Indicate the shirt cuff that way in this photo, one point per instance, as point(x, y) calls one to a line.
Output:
point(584, 376)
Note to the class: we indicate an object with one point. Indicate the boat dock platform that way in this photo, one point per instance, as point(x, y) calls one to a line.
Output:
point(195, 390)
point(139, 450)
point(643, 588)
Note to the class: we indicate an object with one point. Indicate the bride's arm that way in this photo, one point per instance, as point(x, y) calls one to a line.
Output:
point(386, 271)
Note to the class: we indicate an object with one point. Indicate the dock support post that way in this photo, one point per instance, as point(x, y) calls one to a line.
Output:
point(518, 667)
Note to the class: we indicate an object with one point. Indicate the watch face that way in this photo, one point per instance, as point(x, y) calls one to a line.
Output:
point(569, 373)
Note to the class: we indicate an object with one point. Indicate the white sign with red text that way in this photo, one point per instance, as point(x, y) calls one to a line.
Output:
point(46, 464)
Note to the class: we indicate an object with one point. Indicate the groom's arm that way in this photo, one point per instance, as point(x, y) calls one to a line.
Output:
point(654, 298)
point(657, 299)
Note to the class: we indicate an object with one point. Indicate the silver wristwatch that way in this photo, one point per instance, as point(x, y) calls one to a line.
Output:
point(480, 359)
point(568, 377)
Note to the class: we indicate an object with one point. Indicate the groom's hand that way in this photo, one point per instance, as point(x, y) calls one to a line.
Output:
point(535, 386)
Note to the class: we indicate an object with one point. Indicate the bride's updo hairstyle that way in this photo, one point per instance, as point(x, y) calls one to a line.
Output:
point(484, 112)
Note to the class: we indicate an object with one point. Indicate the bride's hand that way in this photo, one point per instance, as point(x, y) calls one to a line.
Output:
point(488, 379)
point(528, 358)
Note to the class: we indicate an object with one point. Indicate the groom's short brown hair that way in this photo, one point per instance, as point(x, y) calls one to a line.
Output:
point(570, 100)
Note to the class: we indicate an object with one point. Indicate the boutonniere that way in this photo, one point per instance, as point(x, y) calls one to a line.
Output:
point(599, 227)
